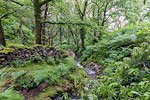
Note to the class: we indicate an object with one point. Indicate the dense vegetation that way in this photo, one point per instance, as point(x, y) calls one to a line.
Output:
point(112, 34)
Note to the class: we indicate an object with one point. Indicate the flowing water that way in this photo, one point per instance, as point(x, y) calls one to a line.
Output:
point(91, 74)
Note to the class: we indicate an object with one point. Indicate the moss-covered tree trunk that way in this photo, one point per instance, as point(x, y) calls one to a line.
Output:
point(82, 14)
point(2, 37)
point(44, 25)
point(20, 28)
point(37, 14)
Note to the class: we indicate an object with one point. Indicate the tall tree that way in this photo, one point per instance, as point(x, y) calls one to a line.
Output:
point(20, 28)
point(37, 13)
point(2, 36)
point(82, 14)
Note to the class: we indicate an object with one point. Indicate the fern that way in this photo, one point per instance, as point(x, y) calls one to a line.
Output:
point(40, 78)
point(17, 74)
point(10, 94)
point(50, 61)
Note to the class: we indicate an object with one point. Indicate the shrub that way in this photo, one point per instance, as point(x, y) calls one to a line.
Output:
point(50, 61)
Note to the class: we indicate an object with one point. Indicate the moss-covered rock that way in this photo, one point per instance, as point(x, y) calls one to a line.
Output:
point(15, 54)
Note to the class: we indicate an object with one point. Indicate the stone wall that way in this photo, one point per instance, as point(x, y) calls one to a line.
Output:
point(25, 54)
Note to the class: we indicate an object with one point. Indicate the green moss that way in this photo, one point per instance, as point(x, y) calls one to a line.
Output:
point(6, 50)
point(38, 45)
point(47, 93)
point(9, 47)
point(55, 90)
point(18, 46)
point(15, 45)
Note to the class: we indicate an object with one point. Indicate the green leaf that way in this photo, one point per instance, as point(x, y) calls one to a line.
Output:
point(113, 84)
point(130, 94)
point(134, 92)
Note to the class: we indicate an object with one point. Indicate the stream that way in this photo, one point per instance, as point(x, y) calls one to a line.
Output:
point(91, 74)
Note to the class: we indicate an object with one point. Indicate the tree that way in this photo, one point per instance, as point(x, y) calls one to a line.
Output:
point(37, 13)
point(2, 36)
point(82, 14)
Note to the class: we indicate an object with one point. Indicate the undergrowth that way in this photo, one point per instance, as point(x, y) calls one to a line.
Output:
point(31, 74)
point(125, 55)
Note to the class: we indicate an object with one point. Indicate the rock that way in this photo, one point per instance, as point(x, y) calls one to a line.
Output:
point(94, 67)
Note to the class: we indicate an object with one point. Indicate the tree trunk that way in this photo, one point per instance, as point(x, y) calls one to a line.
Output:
point(68, 36)
point(77, 39)
point(60, 30)
point(20, 29)
point(82, 36)
point(72, 35)
point(44, 26)
point(2, 37)
point(37, 14)
point(52, 37)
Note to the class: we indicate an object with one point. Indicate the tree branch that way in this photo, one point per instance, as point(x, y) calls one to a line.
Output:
point(63, 23)
point(79, 9)
point(85, 6)
point(7, 14)
point(44, 2)
point(16, 2)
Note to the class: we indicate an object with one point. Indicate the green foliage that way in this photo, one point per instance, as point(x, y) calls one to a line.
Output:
point(35, 59)
point(61, 70)
point(19, 62)
point(40, 78)
point(117, 45)
point(30, 76)
point(68, 47)
point(50, 61)
point(126, 79)
point(10, 94)
point(17, 74)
